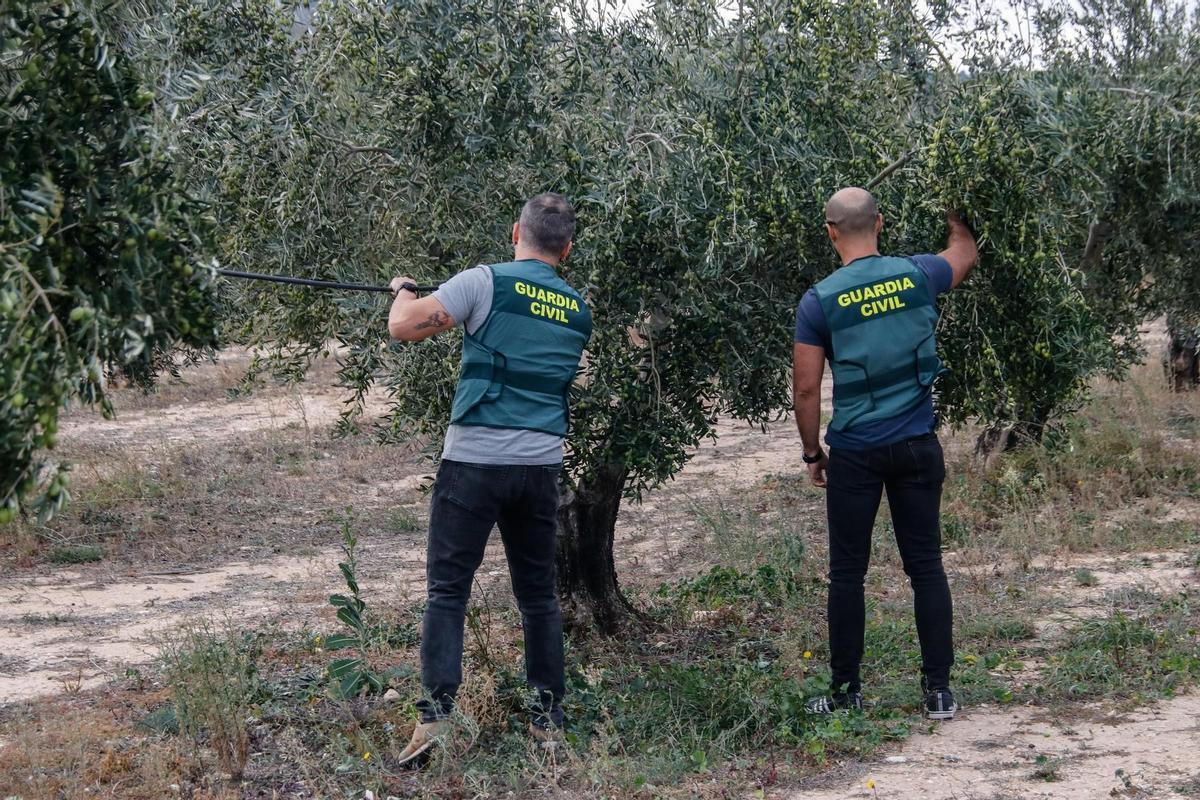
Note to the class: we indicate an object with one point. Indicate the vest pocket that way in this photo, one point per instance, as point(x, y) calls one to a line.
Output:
point(851, 394)
point(927, 364)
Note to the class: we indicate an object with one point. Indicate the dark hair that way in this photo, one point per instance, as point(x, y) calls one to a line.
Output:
point(548, 223)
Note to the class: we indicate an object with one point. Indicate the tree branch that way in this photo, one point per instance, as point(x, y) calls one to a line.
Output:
point(889, 169)
point(360, 148)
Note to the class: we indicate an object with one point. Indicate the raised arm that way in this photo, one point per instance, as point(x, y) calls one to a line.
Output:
point(414, 318)
point(960, 250)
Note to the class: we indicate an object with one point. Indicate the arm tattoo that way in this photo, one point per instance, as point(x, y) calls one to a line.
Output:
point(436, 320)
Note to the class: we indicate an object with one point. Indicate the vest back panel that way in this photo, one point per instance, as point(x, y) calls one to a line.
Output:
point(518, 367)
point(882, 322)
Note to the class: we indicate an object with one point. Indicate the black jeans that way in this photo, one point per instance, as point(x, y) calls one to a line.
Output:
point(913, 472)
point(468, 499)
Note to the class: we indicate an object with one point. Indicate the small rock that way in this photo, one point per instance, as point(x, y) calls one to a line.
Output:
point(896, 759)
point(951, 757)
point(391, 696)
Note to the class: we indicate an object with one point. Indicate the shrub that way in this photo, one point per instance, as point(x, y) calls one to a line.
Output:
point(213, 675)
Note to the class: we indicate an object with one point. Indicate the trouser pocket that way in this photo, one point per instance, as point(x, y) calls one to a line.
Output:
point(928, 459)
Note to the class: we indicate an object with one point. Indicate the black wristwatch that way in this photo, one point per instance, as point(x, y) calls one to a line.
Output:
point(820, 454)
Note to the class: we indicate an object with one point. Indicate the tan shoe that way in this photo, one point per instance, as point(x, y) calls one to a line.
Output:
point(424, 737)
point(548, 739)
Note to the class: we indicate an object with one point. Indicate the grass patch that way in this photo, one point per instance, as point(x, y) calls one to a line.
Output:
point(1087, 486)
point(995, 628)
point(1148, 653)
point(403, 520)
point(186, 503)
point(75, 554)
point(744, 536)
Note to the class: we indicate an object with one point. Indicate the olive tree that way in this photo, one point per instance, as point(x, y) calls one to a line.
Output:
point(1072, 161)
point(698, 149)
point(104, 263)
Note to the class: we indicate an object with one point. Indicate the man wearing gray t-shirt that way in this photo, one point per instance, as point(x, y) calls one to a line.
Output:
point(468, 296)
point(524, 330)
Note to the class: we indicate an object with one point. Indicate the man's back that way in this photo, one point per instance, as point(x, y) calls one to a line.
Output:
point(525, 329)
point(866, 311)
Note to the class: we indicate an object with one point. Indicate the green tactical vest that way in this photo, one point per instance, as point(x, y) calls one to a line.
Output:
point(518, 367)
point(882, 321)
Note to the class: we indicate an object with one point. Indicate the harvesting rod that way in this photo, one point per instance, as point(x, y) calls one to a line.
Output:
point(349, 287)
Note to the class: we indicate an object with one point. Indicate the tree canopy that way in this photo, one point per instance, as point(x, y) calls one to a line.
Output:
point(103, 254)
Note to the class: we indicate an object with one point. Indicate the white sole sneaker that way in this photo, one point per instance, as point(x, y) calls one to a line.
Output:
point(944, 706)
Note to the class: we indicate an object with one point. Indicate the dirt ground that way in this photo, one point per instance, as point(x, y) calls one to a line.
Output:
point(991, 753)
point(77, 626)
point(81, 625)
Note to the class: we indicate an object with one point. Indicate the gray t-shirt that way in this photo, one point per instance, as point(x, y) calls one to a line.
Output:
point(468, 298)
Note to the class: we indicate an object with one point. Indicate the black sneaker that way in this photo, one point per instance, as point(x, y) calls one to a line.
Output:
point(940, 704)
point(838, 701)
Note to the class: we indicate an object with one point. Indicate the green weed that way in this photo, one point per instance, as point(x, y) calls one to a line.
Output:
point(403, 520)
point(213, 675)
point(722, 586)
point(1047, 768)
point(353, 675)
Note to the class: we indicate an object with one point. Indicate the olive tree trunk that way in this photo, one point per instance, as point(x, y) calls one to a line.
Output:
point(1002, 437)
point(1182, 358)
point(587, 575)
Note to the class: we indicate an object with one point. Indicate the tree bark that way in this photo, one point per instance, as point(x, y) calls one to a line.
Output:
point(1098, 233)
point(587, 574)
point(1002, 437)
point(1182, 358)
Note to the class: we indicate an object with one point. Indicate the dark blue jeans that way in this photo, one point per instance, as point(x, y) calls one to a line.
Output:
point(468, 500)
point(912, 471)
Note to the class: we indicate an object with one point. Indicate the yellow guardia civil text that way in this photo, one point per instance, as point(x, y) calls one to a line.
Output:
point(551, 305)
point(877, 298)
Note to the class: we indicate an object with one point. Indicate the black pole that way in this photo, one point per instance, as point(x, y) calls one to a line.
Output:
point(350, 287)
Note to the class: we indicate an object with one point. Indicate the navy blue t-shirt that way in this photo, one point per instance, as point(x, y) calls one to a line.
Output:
point(811, 328)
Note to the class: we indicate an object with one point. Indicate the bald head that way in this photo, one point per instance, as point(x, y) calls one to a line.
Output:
point(852, 212)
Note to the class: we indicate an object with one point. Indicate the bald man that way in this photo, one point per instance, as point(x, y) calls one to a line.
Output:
point(874, 319)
